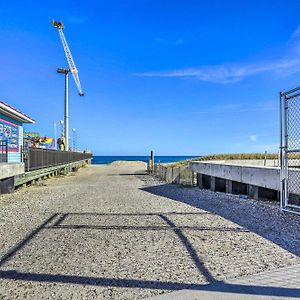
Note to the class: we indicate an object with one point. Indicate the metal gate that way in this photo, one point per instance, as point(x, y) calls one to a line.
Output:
point(290, 151)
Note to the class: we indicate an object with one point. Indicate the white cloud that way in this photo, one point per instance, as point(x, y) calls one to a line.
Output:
point(295, 34)
point(228, 73)
point(233, 72)
point(253, 138)
point(239, 108)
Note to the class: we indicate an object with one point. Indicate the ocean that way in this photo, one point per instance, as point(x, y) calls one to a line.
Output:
point(100, 160)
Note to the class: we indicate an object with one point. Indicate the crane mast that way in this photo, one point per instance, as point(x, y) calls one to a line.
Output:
point(72, 66)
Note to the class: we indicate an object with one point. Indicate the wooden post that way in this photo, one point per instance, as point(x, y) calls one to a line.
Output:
point(265, 159)
point(151, 162)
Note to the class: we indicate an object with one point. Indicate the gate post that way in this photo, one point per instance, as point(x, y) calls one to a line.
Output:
point(281, 151)
point(290, 151)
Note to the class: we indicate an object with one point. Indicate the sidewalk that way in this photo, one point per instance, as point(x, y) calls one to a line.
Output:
point(277, 284)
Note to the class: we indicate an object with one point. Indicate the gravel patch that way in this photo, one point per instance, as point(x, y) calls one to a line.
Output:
point(111, 232)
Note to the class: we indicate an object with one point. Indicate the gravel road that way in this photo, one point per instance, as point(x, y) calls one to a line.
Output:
point(107, 232)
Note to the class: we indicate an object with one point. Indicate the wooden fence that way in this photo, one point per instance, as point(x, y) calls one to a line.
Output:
point(176, 175)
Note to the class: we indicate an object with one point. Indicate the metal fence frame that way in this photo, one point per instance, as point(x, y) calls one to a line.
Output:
point(290, 150)
point(38, 158)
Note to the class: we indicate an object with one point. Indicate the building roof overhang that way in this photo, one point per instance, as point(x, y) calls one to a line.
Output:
point(15, 114)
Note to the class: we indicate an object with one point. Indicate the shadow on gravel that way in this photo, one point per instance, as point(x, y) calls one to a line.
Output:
point(128, 174)
point(270, 224)
point(136, 173)
point(56, 221)
point(148, 284)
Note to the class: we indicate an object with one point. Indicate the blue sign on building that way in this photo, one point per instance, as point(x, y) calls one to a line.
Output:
point(10, 132)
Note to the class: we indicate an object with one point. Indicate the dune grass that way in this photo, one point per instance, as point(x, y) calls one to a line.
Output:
point(227, 156)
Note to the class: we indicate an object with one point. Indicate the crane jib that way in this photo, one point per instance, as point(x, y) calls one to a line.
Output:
point(72, 66)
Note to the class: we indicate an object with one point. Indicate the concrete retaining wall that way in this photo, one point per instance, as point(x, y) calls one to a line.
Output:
point(8, 171)
point(249, 177)
point(11, 169)
point(248, 162)
point(256, 181)
point(267, 177)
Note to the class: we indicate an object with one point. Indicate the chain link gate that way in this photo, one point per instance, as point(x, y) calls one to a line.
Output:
point(290, 151)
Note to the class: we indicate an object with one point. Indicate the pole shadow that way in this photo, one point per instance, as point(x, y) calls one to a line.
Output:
point(272, 227)
point(57, 221)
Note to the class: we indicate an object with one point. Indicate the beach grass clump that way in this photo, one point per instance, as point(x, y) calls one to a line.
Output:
point(227, 156)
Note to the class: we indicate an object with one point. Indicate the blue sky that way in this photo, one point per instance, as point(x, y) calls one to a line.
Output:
point(178, 77)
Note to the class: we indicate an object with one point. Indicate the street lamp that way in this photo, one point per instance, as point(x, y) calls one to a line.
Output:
point(74, 139)
point(61, 127)
point(54, 124)
point(66, 116)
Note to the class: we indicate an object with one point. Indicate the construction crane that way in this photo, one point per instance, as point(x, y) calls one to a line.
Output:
point(72, 66)
point(73, 70)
